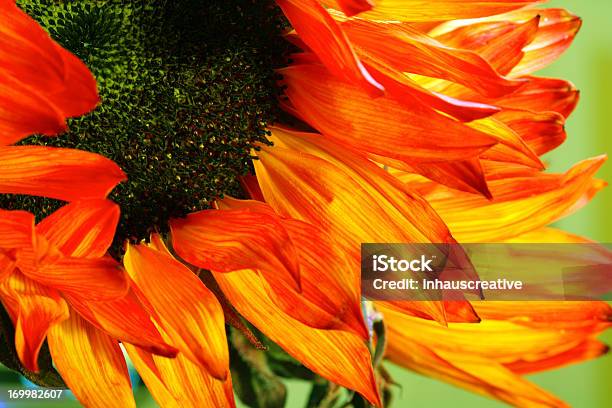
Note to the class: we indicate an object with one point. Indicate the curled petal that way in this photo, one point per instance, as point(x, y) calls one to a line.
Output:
point(425, 11)
point(455, 354)
point(556, 33)
point(186, 309)
point(178, 382)
point(339, 356)
point(327, 300)
point(91, 363)
point(63, 174)
point(309, 178)
point(229, 240)
point(100, 279)
point(380, 126)
point(34, 309)
point(520, 204)
point(405, 49)
point(124, 319)
point(321, 33)
point(82, 229)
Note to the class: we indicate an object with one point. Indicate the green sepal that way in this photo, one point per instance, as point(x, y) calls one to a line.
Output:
point(254, 382)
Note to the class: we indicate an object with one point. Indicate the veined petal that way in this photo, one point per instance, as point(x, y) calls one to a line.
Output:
point(91, 363)
point(352, 7)
point(24, 112)
point(178, 382)
point(124, 319)
point(380, 126)
point(321, 33)
point(82, 229)
point(520, 204)
point(327, 300)
point(592, 316)
point(34, 309)
point(186, 309)
point(423, 10)
point(556, 33)
point(229, 240)
point(16, 230)
point(41, 83)
point(454, 354)
point(339, 356)
point(405, 49)
point(403, 89)
point(309, 178)
point(63, 174)
point(100, 279)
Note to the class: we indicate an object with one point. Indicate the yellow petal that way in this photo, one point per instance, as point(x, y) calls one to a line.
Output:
point(186, 309)
point(339, 356)
point(91, 363)
point(178, 382)
point(458, 354)
point(34, 309)
point(520, 204)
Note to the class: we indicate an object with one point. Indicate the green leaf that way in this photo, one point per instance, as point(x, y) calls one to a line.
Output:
point(47, 377)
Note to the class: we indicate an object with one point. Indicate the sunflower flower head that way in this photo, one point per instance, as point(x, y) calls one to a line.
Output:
point(188, 183)
point(187, 89)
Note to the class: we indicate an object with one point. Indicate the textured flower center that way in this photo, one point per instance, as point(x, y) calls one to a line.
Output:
point(187, 88)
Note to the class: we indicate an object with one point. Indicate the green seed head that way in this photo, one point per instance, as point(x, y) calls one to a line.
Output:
point(187, 89)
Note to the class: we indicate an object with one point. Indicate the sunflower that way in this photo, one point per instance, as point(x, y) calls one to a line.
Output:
point(241, 153)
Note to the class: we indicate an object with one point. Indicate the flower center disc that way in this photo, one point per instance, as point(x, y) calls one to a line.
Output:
point(187, 88)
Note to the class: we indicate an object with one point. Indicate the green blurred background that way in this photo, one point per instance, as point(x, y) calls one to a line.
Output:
point(588, 64)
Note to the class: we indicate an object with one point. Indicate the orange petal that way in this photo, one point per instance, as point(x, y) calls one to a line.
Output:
point(178, 382)
point(541, 132)
point(405, 49)
point(327, 300)
point(41, 83)
point(320, 32)
point(557, 31)
point(424, 11)
point(456, 355)
point(307, 177)
point(380, 126)
point(464, 175)
point(352, 7)
point(82, 229)
point(543, 94)
point(228, 240)
point(64, 174)
point(24, 112)
point(16, 229)
point(91, 363)
point(404, 90)
point(186, 309)
point(124, 319)
point(339, 356)
point(34, 308)
point(100, 279)
point(519, 205)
